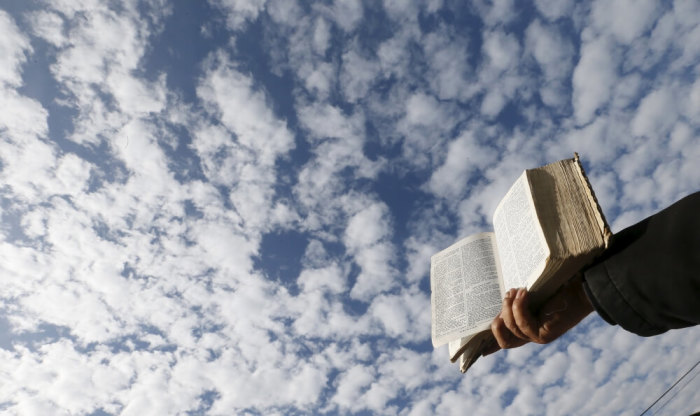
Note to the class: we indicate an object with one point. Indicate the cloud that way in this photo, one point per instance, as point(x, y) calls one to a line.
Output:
point(239, 12)
point(497, 12)
point(242, 154)
point(244, 111)
point(49, 26)
point(593, 79)
point(135, 224)
point(498, 74)
point(402, 316)
point(367, 238)
point(553, 9)
point(321, 36)
point(27, 158)
point(447, 55)
point(350, 387)
point(656, 114)
point(465, 157)
point(329, 278)
point(14, 48)
point(422, 109)
point(347, 13)
point(501, 50)
point(324, 184)
point(624, 19)
point(425, 124)
point(94, 64)
point(554, 54)
point(358, 75)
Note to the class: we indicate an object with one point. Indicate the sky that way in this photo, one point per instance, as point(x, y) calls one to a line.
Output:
point(229, 206)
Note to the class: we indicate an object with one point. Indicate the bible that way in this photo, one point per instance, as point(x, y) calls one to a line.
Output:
point(546, 228)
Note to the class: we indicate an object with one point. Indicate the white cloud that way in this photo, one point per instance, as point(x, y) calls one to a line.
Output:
point(347, 13)
point(326, 121)
point(551, 50)
point(498, 74)
point(50, 27)
point(319, 81)
point(593, 79)
point(624, 19)
point(136, 96)
point(32, 169)
point(350, 387)
point(14, 48)
point(554, 9)
point(554, 54)
point(465, 156)
point(284, 11)
point(501, 49)
point(448, 59)
point(595, 141)
point(26, 159)
point(392, 53)
point(244, 111)
point(402, 316)
point(627, 92)
point(239, 12)
point(367, 238)
point(656, 114)
point(367, 227)
point(330, 278)
point(243, 154)
point(496, 12)
point(401, 11)
point(321, 37)
point(339, 139)
point(694, 103)
point(95, 63)
point(425, 124)
point(357, 76)
point(422, 110)
point(72, 173)
point(493, 103)
point(418, 252)
point(129, 291)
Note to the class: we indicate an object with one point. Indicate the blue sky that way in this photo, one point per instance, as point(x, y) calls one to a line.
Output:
point(228, 206)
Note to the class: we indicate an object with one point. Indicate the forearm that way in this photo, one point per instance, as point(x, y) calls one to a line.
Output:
point(649, 279)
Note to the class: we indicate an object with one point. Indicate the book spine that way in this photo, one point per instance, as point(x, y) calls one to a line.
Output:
point(589, 189)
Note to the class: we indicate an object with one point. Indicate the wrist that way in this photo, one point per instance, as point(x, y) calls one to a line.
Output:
point(585, 305)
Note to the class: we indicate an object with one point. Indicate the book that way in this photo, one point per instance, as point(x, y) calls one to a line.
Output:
point(546, 228)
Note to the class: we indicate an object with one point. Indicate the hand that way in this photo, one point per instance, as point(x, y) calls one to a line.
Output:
point(517, 326)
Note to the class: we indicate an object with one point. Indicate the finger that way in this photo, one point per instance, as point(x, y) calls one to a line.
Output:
point(490, 348)
point(508, 317)
point(500, 332)
point(504, 338)
point(524, 320)
point(562, 312)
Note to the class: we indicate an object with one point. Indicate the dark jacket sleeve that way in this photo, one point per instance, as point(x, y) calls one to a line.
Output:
point(648, 281)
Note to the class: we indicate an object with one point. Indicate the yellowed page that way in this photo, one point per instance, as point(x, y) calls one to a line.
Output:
point(522, 247)
point(466, 292)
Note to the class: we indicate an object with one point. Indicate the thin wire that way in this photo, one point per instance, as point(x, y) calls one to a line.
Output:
point(669, 389)
point(678, 390)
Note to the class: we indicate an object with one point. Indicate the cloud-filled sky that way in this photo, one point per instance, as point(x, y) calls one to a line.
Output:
point(228, 206)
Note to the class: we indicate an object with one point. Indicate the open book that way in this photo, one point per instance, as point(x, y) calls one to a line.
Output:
point(547, 228)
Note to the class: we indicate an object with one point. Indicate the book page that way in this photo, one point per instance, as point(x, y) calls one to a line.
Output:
point(472, 351)
point(521, 244)
point(465, 288)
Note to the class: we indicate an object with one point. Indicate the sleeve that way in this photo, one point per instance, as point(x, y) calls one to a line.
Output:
point(648, 281)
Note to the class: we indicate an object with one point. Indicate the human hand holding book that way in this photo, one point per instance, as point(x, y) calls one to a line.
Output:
point(547, 228)
point(516, 325)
